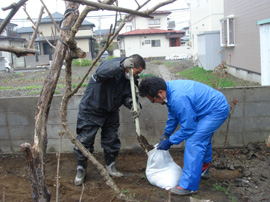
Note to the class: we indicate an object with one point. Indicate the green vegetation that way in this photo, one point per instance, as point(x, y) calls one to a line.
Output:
point(142, 75)
point(82, 62)
point(225, 190)
point(6, 88)
point(210, 78)
point(110, 57)
point(169, 64)
point(157, 62)
point(29, 87)
point(76, 62)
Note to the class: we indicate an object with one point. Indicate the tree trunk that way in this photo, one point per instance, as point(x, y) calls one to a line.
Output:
point(36, 155)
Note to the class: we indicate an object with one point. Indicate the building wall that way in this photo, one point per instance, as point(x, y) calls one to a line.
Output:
point(136, 45)
point(142, 23)
point(246, 52)
point(83, 44)
point(204, 16)
point(249, 122)
point(85, 33)
point(46, 29)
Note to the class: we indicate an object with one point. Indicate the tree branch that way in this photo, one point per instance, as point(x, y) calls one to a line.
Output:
point(14, 10)
point(28, 16)
point(34, 35)
point(160, 5)
point(18, 51)
point(56, 26)
point(112, 8)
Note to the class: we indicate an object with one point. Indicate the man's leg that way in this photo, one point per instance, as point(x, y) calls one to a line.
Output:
point(87, 138)
point(111, 143)
point(196, 147)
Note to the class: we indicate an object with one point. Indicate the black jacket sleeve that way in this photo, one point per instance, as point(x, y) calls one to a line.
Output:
point(110, 68)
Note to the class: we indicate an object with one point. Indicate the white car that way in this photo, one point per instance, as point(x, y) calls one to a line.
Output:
point(7, 65)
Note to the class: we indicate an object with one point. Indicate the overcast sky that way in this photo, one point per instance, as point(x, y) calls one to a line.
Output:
point(181, 17)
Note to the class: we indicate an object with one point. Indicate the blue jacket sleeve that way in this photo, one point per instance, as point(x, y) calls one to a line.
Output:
point(171, 124)
point(110, 68)
point(186, 115)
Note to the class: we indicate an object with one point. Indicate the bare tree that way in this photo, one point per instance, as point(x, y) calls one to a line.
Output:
point(36, 154)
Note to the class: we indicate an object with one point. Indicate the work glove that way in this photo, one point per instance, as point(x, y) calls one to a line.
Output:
point(164, 145)
point(128, 63)
point(165, 136)
point(134, 113)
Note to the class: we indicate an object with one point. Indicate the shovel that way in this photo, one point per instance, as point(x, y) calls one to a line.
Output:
point(142, 140)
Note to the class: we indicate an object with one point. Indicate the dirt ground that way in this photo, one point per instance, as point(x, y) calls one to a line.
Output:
point(236, 174)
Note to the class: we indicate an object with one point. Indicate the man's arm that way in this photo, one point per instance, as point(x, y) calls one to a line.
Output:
point(110, 68)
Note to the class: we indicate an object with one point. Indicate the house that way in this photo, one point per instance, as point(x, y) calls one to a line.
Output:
point(245, 37)
point(151, 42)
point(10, 37)
point(25, 33)
point(150, 37)
point(136, 22)
point(204, 17)
point(84, 36)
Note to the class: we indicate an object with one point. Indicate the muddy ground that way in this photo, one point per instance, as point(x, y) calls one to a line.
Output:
point(236, 174)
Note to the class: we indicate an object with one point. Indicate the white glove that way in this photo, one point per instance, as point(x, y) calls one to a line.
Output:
point(134, 113)
point(128, 63)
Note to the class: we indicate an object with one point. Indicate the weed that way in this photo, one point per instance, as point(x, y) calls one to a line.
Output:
point(161, 195)
point(76, 62)
point(19, 74)
point(225, 190)
point(157, 62)
point(125, 191)
point(142, 75)
point(206, 77)
point(169, 64)
point(6, 88)
point(29, 87)
point(34, 92)
point(85, 62)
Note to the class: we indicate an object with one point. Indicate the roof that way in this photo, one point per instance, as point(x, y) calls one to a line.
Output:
point(24, 30)
point(150, 31)
point(161, 13)
point(8, 23)
point(12, 38)
point(58, 17)
point(154, 13)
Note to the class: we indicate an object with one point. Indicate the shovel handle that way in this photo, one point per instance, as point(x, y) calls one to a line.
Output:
point(132, 86)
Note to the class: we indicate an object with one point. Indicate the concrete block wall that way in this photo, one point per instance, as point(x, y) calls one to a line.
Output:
point(249, 122)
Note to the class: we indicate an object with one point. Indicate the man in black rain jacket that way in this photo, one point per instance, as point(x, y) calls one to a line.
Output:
point(106, 91)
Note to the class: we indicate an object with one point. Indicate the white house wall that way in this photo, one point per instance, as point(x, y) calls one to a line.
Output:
point(133, 45)
point(84, 33)
point(83, 44)
point(204, 16)
point(46, 29)
point(142, 23)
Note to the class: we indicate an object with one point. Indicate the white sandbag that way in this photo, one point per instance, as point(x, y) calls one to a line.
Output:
point(161, 170)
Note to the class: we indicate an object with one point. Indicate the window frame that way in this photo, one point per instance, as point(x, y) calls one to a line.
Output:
point(153, 22)
point(227, 31)
point(156, 40)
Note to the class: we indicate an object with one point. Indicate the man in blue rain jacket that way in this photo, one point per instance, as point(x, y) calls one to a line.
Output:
point(200, 110)
point(107, 90)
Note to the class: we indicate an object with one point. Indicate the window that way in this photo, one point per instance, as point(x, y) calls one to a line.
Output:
point(154, 22)
point(155, 43)
point(174, 42)
point(128, 28)
point(147, 41)
point(227, 31)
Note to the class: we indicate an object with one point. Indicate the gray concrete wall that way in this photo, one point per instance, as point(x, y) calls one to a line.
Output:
point(249, 122)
